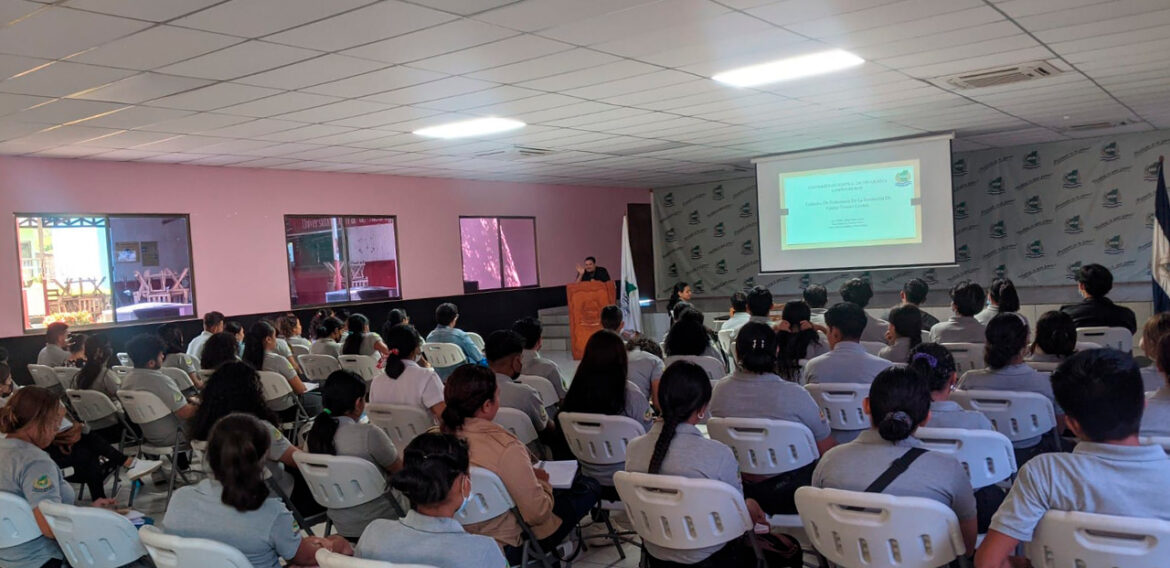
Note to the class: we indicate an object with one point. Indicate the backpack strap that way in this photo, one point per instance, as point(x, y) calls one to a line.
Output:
point(896, 469)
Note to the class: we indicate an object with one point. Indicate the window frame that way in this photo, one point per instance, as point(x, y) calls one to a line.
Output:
point(110, 266)
point(500, 247)
point(345, 248)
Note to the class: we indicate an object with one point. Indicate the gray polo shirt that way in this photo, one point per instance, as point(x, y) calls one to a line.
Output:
point(164, 431)
point(743, 394)
point(538, 366)
point(958, 329)
point(644, 369)
point(948, 414)
point(690, 455)
point(52, 356)
point(107, 383)
point(523, 398)
point(326, 346)
point(875, 329)
point(372, 444)
point(714, 367)
point(1156, 418)
point(1106, 479)
point(434, 541)
point(29, 472)
point(934, 475)
point(278, 363)
point(264, 536)
point(899, 352)
point(1018, 378)
point(1152, 378)
point(848, 362)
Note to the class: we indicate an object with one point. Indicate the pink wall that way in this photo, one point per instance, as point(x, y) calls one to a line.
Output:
point(237, 224)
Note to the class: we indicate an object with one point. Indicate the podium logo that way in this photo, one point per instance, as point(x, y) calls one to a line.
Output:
point(1152, 172)
point(672, 272)
point(717, 193)
point(1035, 250)
point(1032, 160)
point(963, 253)
point(749, 282)
point(1073, 270)
point(745, 210)
point(1112, 198)
point(1072, 180)
point(721, 267)
point(1000, 271)
point(1109, 152)
point(746, 249)
point(696, 252)
point(668, 200)
point(1072, 225)
point(697, 287)
point(1114, 245)
point(1150, 219)
point(1032, 205)
point(805, 280)
point(959, 167)
point(719, 230)
point(930, 276)
point(961, 210)
point(995, 186)
point(998, 230)
point(670, 235)
point(902, 178)
point(693, 219)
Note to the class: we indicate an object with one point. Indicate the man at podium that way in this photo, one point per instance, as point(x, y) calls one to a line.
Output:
point(591, 271)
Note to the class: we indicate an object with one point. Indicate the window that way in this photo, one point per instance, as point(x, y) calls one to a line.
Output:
point(498, 252)
point(91, 269)
point(341, 259)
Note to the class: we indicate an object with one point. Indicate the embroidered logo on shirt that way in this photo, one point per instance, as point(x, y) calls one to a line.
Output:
point(178, 397)
point(276, 434)
point(42, 484)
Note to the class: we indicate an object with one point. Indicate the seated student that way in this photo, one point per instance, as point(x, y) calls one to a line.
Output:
point(1001, 298)
point(817, 297)
point(674, 446)
point(76, 342)
point(531, 329)
point(337, 431)
point(233, 506)
point(858, 291)
point(328, 337)
point(473, 398)
point(446, 318)
point(396, 316)
point(966, 301)
point(848, 361)
point(503, 349)
point(1157, 327)
point(688, 341)
point(289, 328)
point(319, 317)
point(899, 403)
point(759, 304)
point(436, 477)
point(7, 386)
point(403, 380)
point(1109, 472)
point(260, 353)
point(796, 339)
point(754, 391)
point(96, 375)
point(172, 338)
point(1094, 282)
point(55, 353)
point(236, 329)
point(903, 333)
point(644, 368)
point(936, 364)
point(914, 293)
point(1156, 418)
point(146, 352)
point(737, 315)
point(361, 341)
point(1007, 341)
point(212, 323)
point(1056, 338)
point(221, 348)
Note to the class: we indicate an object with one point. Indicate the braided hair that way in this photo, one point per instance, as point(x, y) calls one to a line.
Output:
point(683, 391)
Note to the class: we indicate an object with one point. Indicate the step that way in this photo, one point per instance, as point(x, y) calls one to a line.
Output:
point(555, 319)
point(555, 330)
point(554, 344)
point(557, 311)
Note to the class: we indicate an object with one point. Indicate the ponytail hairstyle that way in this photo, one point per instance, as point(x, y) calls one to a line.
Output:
point(1003, 293)
point(339, 396)
point(402, 340)
point(755, 348)
point(907, 322)
point(30, 406)
point(899, 401)
point(466, 391)
point(431, 463)
point(683, 391)
point(1007, 335)
point(357, 324)
point(327, 327)
point(98, 354)
point(646, 345)
point(236, 450)
point(172, 337)
point(934, 363)
point(287, 326)
point(254, 343)
point(233, 388)
point(319, 317)
point(687, 336)
point(1056, 334)
point(397, 316)
point(674, 299)
point(793, 345)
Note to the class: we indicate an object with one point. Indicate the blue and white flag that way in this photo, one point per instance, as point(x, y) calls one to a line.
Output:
point(628, 286)
point(1160, 264)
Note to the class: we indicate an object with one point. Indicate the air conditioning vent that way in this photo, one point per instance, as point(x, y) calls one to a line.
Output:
point(1102, 125)
point(1000, 75)
point(515, 153)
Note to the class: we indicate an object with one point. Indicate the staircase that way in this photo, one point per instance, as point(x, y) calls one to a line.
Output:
point(556, 328)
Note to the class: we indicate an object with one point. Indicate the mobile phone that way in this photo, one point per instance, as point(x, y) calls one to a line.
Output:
point(65, 425)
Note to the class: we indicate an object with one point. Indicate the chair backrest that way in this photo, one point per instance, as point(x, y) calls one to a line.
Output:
point(338, 482)
point(1118, 338)
point(364, 365)
point(1043, 366)
point(44, 376)
point(298, 350)
point(599, 439)
point(1163, 441)
point(180, 377)
point(402, 422)
point(872, 347)
point(763, 446)
point(443, 354)
point(169, 551)
point(92, 537)
point(274, 386)
point(66, 376)
point(1086, 345)
point(327, 559)
point(968, 356)
point(17, 523)
point(1017, 415)
point(682, 513)
point(842, 404)
point(518, 423)
point(318, 367)
point(987, 456)
point(725, 337)
point(476, 340)
point(143, 407)
point(124, 359)
point(489, 498)
point(91, 405)
point(1068, 538)
point(874, 530)
point(181, 360)
point(544, 388)
point(122, 370)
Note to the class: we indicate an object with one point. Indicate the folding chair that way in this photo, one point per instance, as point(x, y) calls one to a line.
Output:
point(318, 367)
point(364, 365)
point(17, 523)
point(45, 377)
point(327, 559)
point(476, 340)
point(968, 356)
point(66, 376)
point(169, 551)
point(873, 347)
point(767, 447)
point(518, 423)
point(401, 422)
point(124, 359)
point(1043, 366)
point(441, 355)
point(180, 377)
point(1163, 441)
point(1070, 539)
point(91, 537)
point(91, 406)
point(842, 405)
point(279, 396)
point(340, 482)
point(987, 456)
point(298, 350)
point(1118, 338)
point(143, 408)
point(490, 499)
point(1017, 415)
point(544, 388)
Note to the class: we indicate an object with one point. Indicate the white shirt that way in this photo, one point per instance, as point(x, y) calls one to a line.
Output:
point(736, 321)
point(195, 348)
point(416, 386)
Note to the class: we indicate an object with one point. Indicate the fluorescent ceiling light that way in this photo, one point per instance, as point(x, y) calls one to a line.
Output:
point(474, 127)
point(790, 68)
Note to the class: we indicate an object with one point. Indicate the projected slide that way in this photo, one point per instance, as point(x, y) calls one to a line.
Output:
point(855, 206)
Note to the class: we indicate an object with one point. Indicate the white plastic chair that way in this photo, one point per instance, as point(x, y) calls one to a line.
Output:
point(327, 559)
point(443, 355)
point(873, 530)
point(987, 456)
point(91, 537)
point(298, 350)
point(124, 359)
point(44, 376)
point(364, 365)
point(400, 421)
point(1118, 338)
point(1087, 345)
point(181, 378)
point(91, 406)
point(279, 396)
point(339, 482)
point(181, 360)
point(318, 367)
point(66, 376)
point(873, 347)
point(122, 370)
point(17, 523)
point(1043, 366)
point(1017, 415)
point(518, 423)
point(1163, 441)
point(476, 340)
point(842, 404)
point(169, 551)
point(1074, 539)
point(725, 337)
point(767, 447)
point(143, 408)
point(544, 388)
point(968, 356)
point(490, 499)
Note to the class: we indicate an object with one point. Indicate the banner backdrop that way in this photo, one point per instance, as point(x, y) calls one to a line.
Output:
point(1033, 213)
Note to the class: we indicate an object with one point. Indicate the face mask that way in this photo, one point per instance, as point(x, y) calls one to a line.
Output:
point(466, 500)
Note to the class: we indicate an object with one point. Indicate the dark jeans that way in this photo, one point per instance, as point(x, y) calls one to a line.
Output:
point(777, 494)
point(83, 457)
point(1047, 445)
point(570, 506)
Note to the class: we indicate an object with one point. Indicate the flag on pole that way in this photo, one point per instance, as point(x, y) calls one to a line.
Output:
point(628, 285)
point(1160, 264)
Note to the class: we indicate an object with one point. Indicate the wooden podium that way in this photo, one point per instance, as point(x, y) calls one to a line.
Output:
point(585, 302)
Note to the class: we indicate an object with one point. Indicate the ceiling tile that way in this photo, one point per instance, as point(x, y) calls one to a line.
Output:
point(142, 87)
point(442, 88)
point(215, 96)
point(254, 128)
point(135, 117)
point(57, 32)
point(196, 123)
point(445, 38)
point(335, 111)
point(635, 20)
point(13, 103)
point(384, 117)
point(365, 25)
point(126, 139)
point(494, 54)
point(279, 104)
point(374, 82)
point(324, 69)
point(155, 47)
point(154, 10)
point(533, 16)
point(255, 18)
point(64, 110)
point(239, 60)
point(464, 7)
point(62, 78)
point(562, 62)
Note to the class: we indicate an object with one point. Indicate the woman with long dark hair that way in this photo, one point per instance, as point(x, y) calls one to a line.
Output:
point(176, 355)
point(796, 339)
point(97, 375)
point(1002, 298)
point(260, 353)
point(904, 333)
point(319, 316)
point(328, 332)
point(219, 349)
point(936, 364)
point(689, 340)
point(681, 292)
point(361, 341)
point(403, 380)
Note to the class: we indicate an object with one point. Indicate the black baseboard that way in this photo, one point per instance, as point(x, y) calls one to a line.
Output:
point(482, 312)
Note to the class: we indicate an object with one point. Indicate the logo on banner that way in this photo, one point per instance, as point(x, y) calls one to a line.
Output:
point(746, 249)
point(717, 193)
point(1000, 271)
point(697, 286)
point(672, 272)
point(961, 210)
point(749, 282)
point(963, 253)
point(1072, 225)
point(719, 230)
point(1032, 205)
point(995, 186)
point(1112, 198)
point(1072, 180)
point(930, 277)
point(1114, 245)
point(693, 219)
point(959, 167)
point(745, 210)
point(721, 267)
point(668, 200)
point(1152, 172)
point(902, 178)
point(1150, 221)
point(696, 252)
point(1035, 250)
point(1109, 152)
point(998, 230)
point(1032, 160)
point(670, 235)
point(805, 280)
point(1073, 270)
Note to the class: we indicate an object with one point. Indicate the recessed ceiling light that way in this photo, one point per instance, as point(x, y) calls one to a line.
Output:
point(474, 127)
point(790, 68)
